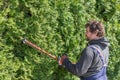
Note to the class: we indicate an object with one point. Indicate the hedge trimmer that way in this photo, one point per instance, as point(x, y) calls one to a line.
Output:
point(25, 41)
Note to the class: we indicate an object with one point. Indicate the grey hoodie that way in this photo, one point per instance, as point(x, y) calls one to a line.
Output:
point(89, 63)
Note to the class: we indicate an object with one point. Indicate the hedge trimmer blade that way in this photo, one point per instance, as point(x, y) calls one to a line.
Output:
point(25, 41)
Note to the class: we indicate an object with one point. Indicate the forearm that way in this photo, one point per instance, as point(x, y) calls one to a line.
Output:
point(73, 68)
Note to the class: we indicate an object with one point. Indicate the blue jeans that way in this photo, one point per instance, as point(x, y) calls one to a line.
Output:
point(101, 75)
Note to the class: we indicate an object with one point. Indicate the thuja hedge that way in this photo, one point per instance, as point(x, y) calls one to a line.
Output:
point(58, 27)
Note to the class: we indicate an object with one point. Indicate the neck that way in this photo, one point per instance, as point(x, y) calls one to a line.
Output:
point(96, 38)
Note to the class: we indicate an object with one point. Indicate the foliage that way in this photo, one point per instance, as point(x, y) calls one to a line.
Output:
point(56, 26)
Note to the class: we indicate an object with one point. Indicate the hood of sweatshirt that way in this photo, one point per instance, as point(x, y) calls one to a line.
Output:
point(103, 42)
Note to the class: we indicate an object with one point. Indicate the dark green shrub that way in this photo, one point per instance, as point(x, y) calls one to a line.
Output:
point(56, 26)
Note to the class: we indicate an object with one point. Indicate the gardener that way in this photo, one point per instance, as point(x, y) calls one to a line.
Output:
point(94, 59)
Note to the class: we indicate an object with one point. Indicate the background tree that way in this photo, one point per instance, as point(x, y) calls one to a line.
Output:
point(56, 26)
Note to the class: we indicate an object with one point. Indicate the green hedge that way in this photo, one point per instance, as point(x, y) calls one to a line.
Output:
point(58, 27)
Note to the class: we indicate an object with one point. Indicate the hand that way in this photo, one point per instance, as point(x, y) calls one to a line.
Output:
point(61, 59)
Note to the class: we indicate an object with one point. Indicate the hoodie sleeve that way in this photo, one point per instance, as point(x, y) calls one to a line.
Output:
point(83, 64)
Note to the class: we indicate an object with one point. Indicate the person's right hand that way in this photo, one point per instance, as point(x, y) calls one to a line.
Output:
point(61, 59)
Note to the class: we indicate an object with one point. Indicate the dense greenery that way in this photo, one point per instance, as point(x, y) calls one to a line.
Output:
point(58, 27)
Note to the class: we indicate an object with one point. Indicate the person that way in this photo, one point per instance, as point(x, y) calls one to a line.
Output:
point(94, 58)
